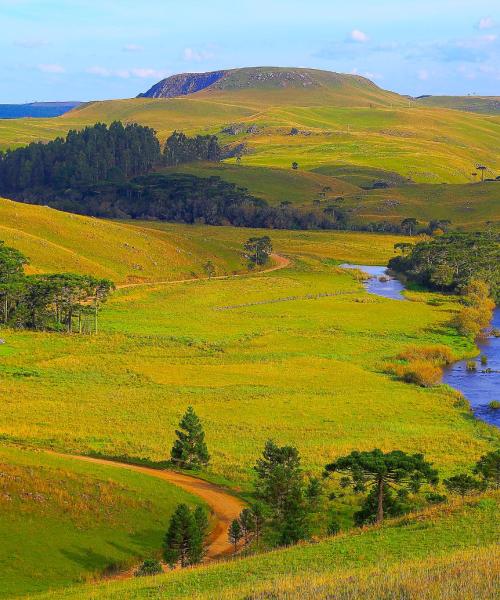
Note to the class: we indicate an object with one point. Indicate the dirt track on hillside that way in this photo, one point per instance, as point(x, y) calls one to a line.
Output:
point(224, 506)
point(280, 262)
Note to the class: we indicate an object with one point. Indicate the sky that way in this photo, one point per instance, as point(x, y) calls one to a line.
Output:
point(101, 49)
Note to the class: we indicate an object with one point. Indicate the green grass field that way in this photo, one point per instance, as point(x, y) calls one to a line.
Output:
point(298, 355)
point(359, 125)
point(64, 521)
point(56, 241)
point(432, 540)
point(268, 356)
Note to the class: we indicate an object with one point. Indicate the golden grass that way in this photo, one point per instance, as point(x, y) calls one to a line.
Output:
point(56, 241)
point(465, 575)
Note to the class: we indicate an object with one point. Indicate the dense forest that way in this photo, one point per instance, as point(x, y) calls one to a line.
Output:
point(106, 172)
point(58, 302)
point(448, 262)
point(85, 157)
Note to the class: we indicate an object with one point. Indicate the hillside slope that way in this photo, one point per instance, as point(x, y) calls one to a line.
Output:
point(56, 241)
point(431, 537)
point(274, 117)
point(280, 85)
point(489, 105)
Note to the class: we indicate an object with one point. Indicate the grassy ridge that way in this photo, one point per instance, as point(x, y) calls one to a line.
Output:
point(480, 104)
point(469, 206)
point(428, 537)
point(425, 144)
point(63, 521)
point(56, 241)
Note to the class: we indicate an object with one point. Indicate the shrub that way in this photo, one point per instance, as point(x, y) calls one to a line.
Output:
point(494, 404)
point(333, 526)
point(421, 372)
point(471, 366)
point(150, 566)
point(438, 354)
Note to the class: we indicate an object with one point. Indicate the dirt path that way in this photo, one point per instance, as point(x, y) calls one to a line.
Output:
point(280, 262)
point(224, 506)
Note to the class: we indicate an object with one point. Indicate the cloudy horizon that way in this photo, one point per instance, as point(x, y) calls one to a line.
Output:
point(107, 49)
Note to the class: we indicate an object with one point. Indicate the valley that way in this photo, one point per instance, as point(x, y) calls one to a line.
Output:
point(263, 332)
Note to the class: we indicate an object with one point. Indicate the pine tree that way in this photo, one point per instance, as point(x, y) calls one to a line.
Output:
point(183, 543)
point(190, 450)
point(235, 534)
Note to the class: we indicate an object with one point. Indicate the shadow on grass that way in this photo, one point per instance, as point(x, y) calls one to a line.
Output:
point(135, 460)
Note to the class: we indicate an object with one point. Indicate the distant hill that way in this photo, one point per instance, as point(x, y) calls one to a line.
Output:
point(39, 110)
point(344, 125)
point(489, 105)
point(285, 85)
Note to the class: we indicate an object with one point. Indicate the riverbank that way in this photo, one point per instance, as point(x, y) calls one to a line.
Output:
point(481, 386)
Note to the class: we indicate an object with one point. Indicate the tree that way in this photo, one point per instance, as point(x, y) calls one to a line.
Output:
point(259, 519)
point(150, 566)
point(235, 534)
point(209, 269)
point(488, 467)
point(190, 450)
point(409, 225)
point(482, 169)
point(383, 471)
point(281, 485)
point(258, 250)
point(295, 165)
point(247, 524)
point(12, 263)
point(463, 484)
point(183, 543)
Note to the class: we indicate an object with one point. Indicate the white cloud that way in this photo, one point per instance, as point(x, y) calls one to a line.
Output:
point(423, 74)
point(132, 48)
point(191, 54)
point(101, 71)
point(359, 36)
point(146, 73)
point(141, 73)
point(489, 38)
point(52, 68)
point(486, 23)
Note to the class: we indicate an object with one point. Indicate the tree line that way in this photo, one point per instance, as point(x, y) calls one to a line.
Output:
point(448, 262)
point(288, 503)
point(54, 302)
point(105, 171)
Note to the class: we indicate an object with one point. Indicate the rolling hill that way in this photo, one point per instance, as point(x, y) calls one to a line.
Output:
point(316, 118)
point(489, 105)
point(56, 241)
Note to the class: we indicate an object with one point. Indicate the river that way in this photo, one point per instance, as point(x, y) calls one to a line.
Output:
point(481, 386)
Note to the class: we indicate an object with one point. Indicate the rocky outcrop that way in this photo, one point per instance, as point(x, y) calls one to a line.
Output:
point(183, 84)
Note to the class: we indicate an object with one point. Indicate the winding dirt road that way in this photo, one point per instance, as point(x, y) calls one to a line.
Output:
point(224, 506)
point(280, 262)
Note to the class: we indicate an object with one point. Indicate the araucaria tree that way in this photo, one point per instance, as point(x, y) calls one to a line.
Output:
point(190, 450)
point(381, 472)
point(258, 250)
point(183, 543)
point(58, 302)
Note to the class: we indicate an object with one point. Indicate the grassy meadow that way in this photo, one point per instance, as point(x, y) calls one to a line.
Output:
point(297, 355)
point(64, 521)
point(56, 241)
point(392, 559)
point(428, 145)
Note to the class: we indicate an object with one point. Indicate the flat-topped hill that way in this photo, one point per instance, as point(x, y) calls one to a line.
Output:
point(285, 84)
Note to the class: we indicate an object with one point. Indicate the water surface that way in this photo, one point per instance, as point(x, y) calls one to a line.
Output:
point(480, 387)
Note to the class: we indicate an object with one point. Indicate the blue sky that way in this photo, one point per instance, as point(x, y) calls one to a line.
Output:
point(97, 49)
